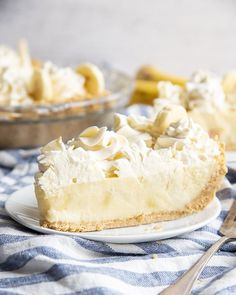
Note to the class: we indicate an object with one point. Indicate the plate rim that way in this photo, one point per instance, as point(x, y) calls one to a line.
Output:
point(123, 238)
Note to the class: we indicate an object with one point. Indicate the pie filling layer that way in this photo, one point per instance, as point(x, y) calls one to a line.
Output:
point(129, 201)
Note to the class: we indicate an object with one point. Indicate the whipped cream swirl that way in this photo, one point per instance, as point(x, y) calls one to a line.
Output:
point(102, 143)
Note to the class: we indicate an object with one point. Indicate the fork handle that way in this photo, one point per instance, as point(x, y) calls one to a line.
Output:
point(185, 283)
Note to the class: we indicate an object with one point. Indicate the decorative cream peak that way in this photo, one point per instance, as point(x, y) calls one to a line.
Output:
point(102, 143)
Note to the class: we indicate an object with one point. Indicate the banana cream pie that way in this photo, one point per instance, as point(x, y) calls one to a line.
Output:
point(209, 100)
point(143, 171)
point(25, 82)
point(40, 101)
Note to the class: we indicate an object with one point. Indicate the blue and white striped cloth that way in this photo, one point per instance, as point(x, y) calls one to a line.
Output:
point(33, 263)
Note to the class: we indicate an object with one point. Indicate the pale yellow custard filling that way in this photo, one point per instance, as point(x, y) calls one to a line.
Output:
point(118, 198)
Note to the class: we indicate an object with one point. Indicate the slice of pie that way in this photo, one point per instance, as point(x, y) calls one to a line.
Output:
point(145, 170)
point(209, 100)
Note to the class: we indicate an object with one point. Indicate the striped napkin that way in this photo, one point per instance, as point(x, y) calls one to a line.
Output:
point(33, 263)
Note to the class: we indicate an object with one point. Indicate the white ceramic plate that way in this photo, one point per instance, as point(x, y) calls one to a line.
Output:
point(22, 207)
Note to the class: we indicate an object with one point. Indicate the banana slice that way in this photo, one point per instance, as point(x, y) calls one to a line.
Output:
point(152, 74)
point(169, 114)
point(42, 86)
point(94, 80)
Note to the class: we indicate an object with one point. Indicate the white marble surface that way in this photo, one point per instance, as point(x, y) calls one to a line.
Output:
point(177, 36)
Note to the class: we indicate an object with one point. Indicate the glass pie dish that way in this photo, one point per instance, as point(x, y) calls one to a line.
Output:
point(35, 125)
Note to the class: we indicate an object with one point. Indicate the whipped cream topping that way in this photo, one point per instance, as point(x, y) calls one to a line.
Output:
point(65, 82)
point(8, 57)
point(180, 134)
point(133, 149)
point(134, 128)
point(169, 91)
point(13, 89)
point(61, 165)
point(188, 138)
point(158, 105)
point(167, 115)
point(204, 89)
point(15, 77)
point(102, 143)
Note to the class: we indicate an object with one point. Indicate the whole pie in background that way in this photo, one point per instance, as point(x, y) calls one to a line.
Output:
point(40, 101)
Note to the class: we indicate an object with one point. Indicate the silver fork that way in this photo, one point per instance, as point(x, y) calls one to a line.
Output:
point(185, 283)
